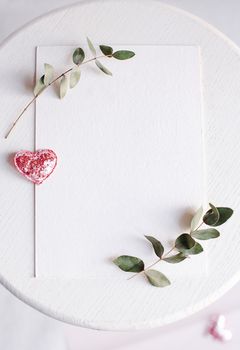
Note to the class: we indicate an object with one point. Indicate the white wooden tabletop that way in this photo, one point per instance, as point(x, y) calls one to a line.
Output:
point(120, 305)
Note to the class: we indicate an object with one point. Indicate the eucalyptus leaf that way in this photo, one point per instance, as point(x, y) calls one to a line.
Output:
point(206, 234)
point(106, 50)
point(175, 259)
point(224, 214)
point(39, 87)
point(123, 54)
point(48, 73)
point(157, 246)
point(212, 216)
point(91, 47)
point(196, 249)
point(157, 279)
point(102, 68)
point(78, 56)
point(129, 263)
point(196, 219)
point(74, 77)
point(184, 242)
point(63, 86)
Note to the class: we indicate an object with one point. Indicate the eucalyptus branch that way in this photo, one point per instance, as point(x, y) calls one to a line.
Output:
point(153, 264)
point(78, 58)
point(38, 94)
point(185, 245)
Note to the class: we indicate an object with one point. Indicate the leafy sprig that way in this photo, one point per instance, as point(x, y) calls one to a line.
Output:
point(71, 77)
point(184, 246)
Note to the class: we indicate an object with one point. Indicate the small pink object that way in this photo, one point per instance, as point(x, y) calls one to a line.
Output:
point(218, 329)
point(36, 166)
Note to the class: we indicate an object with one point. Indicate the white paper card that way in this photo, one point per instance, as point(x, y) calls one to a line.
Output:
point(130, 161)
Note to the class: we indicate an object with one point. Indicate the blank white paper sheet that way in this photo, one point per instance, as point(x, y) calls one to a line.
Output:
point(130, 162)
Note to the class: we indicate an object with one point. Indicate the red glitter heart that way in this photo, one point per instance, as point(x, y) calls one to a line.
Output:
point(36, 166)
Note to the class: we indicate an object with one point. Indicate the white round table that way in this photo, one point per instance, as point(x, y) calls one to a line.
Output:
point(119, 305)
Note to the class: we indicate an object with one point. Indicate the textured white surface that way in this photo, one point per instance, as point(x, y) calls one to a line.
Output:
point(221, 65)
point(123, 168)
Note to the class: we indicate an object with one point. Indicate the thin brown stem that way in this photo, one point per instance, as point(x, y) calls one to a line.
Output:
point(196, 228)
point(153, 264)
point(20, 115)
point(199, 226)
point(35, 97)
point(163, 257)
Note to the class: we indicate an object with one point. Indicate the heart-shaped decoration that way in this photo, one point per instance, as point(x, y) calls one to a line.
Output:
point(218, 329)
point(36, 166)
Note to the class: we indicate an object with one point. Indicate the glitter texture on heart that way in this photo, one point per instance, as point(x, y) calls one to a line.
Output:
point(36, 166)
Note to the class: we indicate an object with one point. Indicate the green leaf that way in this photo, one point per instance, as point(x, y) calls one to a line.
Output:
point(157, 279)
point(224, 215)
point(196, 219)
point(123, 54)
point(39, 87)
point(102, 68)
point(212, 216)
point(206, 234)
point(196, 249)
point(129, 263)
point(63, 86)
point(175, 259)
point(49, 73)
point(157, 246)
point(74, 77)
point(184, 242)
point(91, 47)
point(78, 56)
point(106, 50)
